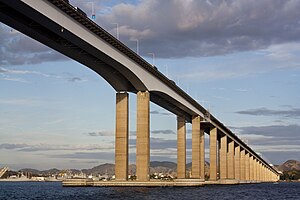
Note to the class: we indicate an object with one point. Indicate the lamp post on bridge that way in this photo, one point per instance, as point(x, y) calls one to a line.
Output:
point(117, 27)
point(93, 10)
point(137, 46)
point(153, 58)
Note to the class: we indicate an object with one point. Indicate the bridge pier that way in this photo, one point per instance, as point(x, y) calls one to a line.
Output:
point(196, 147)
point(202, 153)
point(242, 166)
point(237, 160)
point(230, 160)
point(121, 137)
point(247, 172)
point(254, 169)
point(251, 168)
point(143, 136)
point(181, 148)
point(213, 153)
point(257, 170)
point(223, 157)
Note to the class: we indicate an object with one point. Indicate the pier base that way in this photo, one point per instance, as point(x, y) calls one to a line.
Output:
point(152, 183)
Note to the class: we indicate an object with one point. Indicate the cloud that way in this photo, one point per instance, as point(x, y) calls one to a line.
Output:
point(200, 28)
point(12, 146)
point(158, 112)
point(290, 131)
point(256, 137)
point(293, 112)
point(241, 90)
point(101, 133)
point(167, 131)
point(18, 49)
point(28, 102)
point(86, 155)
point(271, 138)
point(6, 74)
point(75, 79)
point(6, 78)
point(54, 147)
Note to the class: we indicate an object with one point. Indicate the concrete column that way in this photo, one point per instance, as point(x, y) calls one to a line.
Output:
point(181, 147)
point(258, 170)
point(254, 170)
point(121, 140)
point(143, 136)
point(196, 147)
point(213, 154)
point(247, 170)
point(237, 168)
point(265, 177)
point(261, 172)
point(202, 154)
point(251, 167)
point(242, 165)
point(223, 157)
point(230, 160)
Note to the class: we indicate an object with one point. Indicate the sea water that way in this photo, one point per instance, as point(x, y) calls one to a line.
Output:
point(54, 190)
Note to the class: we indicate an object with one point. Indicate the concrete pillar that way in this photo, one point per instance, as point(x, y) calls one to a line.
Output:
point(213, 154)
point(250, 167)
point(237, 168)
point(202, 154)
point(230, 160)
point(258, 170)
point(242, 166)
point(181, 147)
point(196, 147)
point(262, 172)
point(247, 171)
point(223, 157)
point(143, 136)
point(254, 170)
point(121, 140)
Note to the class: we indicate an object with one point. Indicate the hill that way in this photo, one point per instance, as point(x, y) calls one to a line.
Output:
point(289, 165)
point(165, 167)
point(290, 169)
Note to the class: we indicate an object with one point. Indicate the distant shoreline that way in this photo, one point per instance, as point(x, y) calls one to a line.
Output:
point(27, 180)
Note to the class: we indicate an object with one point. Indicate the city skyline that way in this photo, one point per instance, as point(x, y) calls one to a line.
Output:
point(229, 57)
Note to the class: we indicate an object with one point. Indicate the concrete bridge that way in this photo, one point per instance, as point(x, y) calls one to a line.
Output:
point(68, 30)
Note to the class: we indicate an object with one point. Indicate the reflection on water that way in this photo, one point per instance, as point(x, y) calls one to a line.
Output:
point(54, 190)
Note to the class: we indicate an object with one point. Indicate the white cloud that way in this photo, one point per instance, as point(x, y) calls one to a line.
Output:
point(42, 147)
point(31, 102)
point(276, 148)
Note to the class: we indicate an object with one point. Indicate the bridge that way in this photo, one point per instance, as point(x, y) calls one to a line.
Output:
point(68, 30)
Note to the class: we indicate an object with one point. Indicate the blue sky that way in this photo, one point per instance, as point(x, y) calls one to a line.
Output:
point(240, 59)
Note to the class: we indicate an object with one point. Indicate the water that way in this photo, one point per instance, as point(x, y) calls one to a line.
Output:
point(54, 190)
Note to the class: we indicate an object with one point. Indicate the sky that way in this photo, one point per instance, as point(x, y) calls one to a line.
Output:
point(239, 59)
